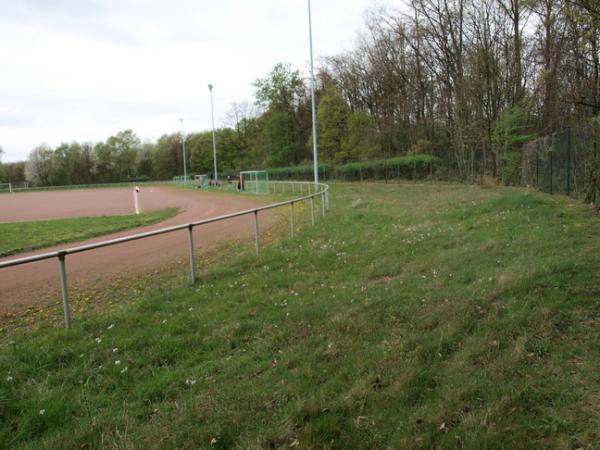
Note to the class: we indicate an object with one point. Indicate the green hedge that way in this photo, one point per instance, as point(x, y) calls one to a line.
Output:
point(407, 167)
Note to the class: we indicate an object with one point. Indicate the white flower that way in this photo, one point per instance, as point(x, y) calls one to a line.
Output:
point(124, 370)
point(98, 340)
point(190, 382)
point(117, 362)
point(42, 412)
point(115, 350)
point(9, 378)
point(111, 326)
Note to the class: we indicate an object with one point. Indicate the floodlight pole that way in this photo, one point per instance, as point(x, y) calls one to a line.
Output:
point(183, 147)
point(212, 113)
point(312, 94)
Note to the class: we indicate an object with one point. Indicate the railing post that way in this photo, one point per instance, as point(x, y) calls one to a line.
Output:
point(569, 161)
point(292, 219)
point(312, 210)
point(65, 289)
point(192, 262)
point(293, 187)
point(256, 231)
point(323, 203)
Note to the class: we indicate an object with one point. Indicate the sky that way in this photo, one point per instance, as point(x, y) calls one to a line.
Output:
point(83, 70)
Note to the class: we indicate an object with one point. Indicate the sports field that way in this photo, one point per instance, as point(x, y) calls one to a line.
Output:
point(421, 316)
point(33, 284)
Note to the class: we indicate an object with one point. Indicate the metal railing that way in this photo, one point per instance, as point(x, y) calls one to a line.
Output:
point(313, 191)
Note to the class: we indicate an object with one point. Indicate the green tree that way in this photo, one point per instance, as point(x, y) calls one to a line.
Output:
point(66, 164)
point(332, 125)
point(145, 161)
point(242, 139)
point(511, 131)
point(126, 146)
point(117, 156)
point(280, 89)
point(280, 93)
point(168, 160)
point(38, 169)
point(201, 153)
point(361, 141)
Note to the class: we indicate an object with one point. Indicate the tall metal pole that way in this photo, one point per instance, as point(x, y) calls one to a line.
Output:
point(184, 158)
point(212, 112)
point(312, 94)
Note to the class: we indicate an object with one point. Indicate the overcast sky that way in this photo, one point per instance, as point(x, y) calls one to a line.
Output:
point(85, 69)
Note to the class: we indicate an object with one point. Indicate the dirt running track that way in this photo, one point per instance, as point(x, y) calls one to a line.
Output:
point(33, 284)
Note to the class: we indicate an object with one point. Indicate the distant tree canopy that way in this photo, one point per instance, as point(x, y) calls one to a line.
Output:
point(467, 81)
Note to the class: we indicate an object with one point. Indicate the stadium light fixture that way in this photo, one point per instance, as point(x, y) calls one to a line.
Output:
point(183, 148)
point(312, 94)
point(212, 113)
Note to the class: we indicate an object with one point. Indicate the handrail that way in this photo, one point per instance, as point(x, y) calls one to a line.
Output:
point(323, 191)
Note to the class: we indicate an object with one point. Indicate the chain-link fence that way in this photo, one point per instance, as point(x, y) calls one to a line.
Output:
point(566, 162)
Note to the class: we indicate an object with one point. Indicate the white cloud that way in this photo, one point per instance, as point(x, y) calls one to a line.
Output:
point(74, 70)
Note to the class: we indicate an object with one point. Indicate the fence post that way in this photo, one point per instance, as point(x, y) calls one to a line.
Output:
point(551, 175)
point(292, 219)
point(192, 262)
point(65, 289)
point(568, 161)
point(256, 231)
point(537, 169)
point(312, 210)
point(323, 203)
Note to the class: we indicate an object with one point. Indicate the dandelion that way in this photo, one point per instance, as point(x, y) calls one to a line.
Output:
point(164, 321)
point(111, 326)
point(98, 340)
point(42, 412)
point(117, 362)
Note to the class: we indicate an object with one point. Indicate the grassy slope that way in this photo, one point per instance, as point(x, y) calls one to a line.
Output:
point(17, 237)
point(415, 316)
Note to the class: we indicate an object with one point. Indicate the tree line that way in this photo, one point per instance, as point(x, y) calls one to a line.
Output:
point(466, 81)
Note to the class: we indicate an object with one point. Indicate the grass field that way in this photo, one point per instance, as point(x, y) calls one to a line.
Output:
point(17, 237)
point(414, 316)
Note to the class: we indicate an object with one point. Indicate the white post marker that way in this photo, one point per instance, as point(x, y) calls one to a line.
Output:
point(135, 199)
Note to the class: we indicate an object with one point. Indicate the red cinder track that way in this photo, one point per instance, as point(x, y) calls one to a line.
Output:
point(32, 284)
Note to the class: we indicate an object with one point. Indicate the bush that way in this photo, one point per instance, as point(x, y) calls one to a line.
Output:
point(418, 166)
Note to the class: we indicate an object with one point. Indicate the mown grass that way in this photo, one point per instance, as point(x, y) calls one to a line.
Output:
point(17, 237)
point(414, 316)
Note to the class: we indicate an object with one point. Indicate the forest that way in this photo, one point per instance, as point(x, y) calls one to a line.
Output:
point(469, 83)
